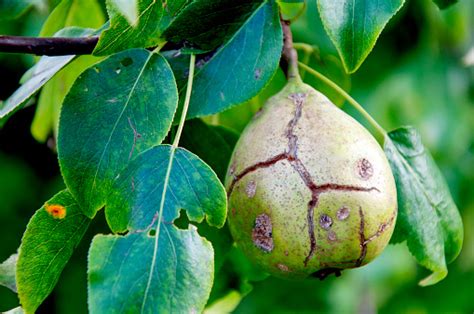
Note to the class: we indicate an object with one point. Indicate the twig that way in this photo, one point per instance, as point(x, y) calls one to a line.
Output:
point(48, 46)
point(289, 54)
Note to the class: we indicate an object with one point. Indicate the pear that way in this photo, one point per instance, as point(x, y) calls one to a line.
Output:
point(310, 190)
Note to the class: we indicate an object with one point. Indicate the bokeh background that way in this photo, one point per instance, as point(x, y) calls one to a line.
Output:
point(420, 73)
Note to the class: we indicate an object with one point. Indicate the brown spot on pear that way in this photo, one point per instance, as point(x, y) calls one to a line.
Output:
point(315, 167)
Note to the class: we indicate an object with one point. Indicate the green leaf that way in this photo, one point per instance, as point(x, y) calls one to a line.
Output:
point(443, 4)
point(238, 70)
point(428, 218)
point(81, 13)
point(135, 198)
point(210, 144)
point(39, 75)
point(126, 8)
point(205, 24)
point(181, 278)
point(355, 25)
point(50, 100)
point(7, 272)
point(144, 32)
point(12, 9)
point(115, 110)
point(48, 243)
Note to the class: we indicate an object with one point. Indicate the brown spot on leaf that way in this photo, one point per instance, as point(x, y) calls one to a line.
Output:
point(262, 233)
point(56, 210)
point(343, 213)
point(364, 169)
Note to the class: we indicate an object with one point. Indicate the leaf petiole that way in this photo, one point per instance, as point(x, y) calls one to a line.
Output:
point(344, 94)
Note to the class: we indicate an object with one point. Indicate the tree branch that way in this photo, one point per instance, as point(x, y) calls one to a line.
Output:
point(48, 46)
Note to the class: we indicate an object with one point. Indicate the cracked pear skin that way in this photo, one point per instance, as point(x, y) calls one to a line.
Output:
point(310, 190)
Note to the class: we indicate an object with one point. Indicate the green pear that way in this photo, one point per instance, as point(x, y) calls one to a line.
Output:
point(310, 190)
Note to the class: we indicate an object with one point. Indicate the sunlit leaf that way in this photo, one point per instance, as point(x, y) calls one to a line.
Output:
point(355, 25)
point(48, 243)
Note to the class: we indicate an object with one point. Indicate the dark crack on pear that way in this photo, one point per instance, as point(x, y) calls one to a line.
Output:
point(291, 155)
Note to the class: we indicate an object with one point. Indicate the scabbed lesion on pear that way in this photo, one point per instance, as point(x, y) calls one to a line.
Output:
point(310, 190)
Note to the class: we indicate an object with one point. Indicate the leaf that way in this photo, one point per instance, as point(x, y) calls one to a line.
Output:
point(428, 219)
point(443, 4)
point(209, 143)
point(238, 70)
point(136, 196)
point(7, 273)
point(355, 25)
point(50, 100)
point(121, 35)
point(127, 8)
point(119, 268)
point(39, 75)
point(115, 110)
point(81, 13)
point(17, 310)
point(205, 24)
point(48, 243)
point(13, 9)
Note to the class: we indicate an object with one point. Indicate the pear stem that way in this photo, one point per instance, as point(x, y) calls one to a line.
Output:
point(289, 52)
point(344, 94)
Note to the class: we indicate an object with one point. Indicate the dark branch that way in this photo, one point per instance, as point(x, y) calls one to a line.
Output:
point(48, 46)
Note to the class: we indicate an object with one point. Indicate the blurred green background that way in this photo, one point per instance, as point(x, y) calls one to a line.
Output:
point(417, 74)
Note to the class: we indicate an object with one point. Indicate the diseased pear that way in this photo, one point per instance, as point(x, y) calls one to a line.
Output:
point(310, 190)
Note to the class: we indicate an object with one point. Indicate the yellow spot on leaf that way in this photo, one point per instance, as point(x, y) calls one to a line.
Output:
point(57, 211)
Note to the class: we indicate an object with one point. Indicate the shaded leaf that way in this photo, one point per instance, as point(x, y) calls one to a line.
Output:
point(7, 273)
point(136, 196)
point(428, 219)
point(443, 4)
point(39, 75)
point(355, 25)
point(205, 24)
point(180, 281)
point(81, 13)
point(144, 32)
point(48, 243)
point(210, 143)
point(115, 110)
point(12, 9)
point(238, 70)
